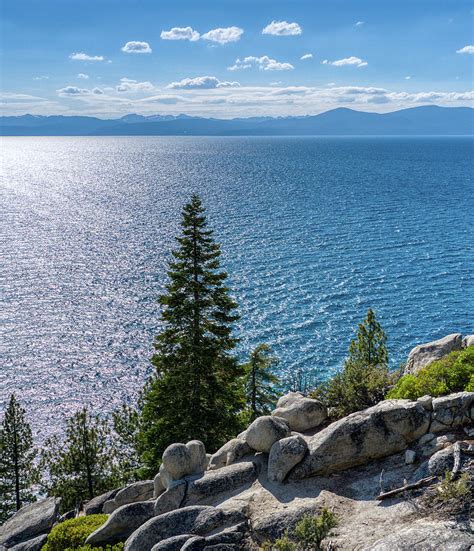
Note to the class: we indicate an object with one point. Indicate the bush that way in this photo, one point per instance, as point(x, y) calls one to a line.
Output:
point(116, 547)
point(308, 534)
point(72, 533)
point(453, 373)
point(450, 489)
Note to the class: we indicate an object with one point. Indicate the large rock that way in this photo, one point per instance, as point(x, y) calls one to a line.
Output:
point(174, 543)
point(284, 455)
point(122, 523)
point(441, 461)
point(196, 520)
point(376, 432)
point(180, 460)
point(467, 341)
point(226, 479)
point(35, 544)
point(424, 354)
point(301, 413)
point(95, 505)
point(230, 452)
point(171, 499)
point(29, 522)
point(265, 431)
point(452, 411)
point(134, 493)
point(158, 486)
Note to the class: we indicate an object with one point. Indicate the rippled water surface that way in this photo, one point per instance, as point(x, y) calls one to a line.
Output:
point(314, 232)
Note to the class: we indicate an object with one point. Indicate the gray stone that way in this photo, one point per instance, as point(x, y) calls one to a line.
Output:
point(226, 479)
point(265, 431)
point(230, 452)
point(122, 523)
point(427, 402)
point(467, 341)
point(196, 520)
point(158, 486)
point(35, 544)
point(428, 437)
point(441, 462)
point(95, 505)
point(171, 499)
point(196, 543)
point(134, 493)
point(284, 455)
point(178, 461)
point(198, 456)
point(172, 544)
point(410, 457)
point(301, 413)
point(29, 522)
point(379, 431)
point(425, 536)
point(452, 411)
point(424, 354)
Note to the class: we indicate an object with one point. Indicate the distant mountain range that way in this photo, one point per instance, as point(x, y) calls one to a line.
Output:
point(424, 120)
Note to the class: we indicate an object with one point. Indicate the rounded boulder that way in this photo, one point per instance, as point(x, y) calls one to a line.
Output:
point(265, 431)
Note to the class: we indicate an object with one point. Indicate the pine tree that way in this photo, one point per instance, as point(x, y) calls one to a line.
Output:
point(365, 378)
point(83, 464)
point(260, 383)
point(196, 390)
point(126, 423)
point(17, 454)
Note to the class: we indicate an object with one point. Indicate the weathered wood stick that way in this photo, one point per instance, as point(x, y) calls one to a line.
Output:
point(412, 486)
point(457, 460)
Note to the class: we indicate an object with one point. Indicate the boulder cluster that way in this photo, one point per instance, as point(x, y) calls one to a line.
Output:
point(195, 500)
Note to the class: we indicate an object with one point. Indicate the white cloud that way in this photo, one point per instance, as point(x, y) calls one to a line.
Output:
point(360, 23)
point(408, 77)
point(137, 47)
point(83, 76)
point(72, 91)
point(306, 56)
point(224, 35)
point(97, 91)
point(130, 85)
point(357, 61)
point(264, 63)
point(81, 56)
point(41, 77)
point(180, 33)
point(282, 28)
point(201, 83)
point(466, 50)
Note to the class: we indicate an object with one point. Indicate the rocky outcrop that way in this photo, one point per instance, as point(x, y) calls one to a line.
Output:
point(122, 523)
point(265, 431)
point(95, 506)
point(467, 341)
point(181, 460)
point(361, 437)
point(424, 354)
point(299, 412)
point(195, 520)
point(138, 491)
point(284, 455)
point(171, 499)
point(29, 522)
point(34, 544)
point(452, 411)
point(230, 452)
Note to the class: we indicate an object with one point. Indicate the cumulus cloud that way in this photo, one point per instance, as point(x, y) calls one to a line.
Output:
point(264, 63)
point(81, 56)
point(466, 50)
point(130, 85)
point(201, 83)
point(357, 61)
point(83, 76)
point(41, 77)
point(282, 28)
point(180, 33)
point(97, 91)
point(72, 91)
point(306, 56)
point(224, 35)
point(136, 47)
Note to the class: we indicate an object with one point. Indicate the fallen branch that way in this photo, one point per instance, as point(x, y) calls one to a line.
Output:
point(412, 486)
point(457, 460)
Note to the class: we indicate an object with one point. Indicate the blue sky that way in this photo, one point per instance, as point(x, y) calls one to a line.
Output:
point(232, 58)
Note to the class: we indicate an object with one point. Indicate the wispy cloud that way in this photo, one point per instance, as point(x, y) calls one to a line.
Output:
point(466, 50)
point(72, 91)
point(180, 33)
point(41, 77)
point(83, 76)
point(130, 85)
point(81, 56)
point(306, 56)
point(264, 63)
point(282, 28)
point(136, 47)
point(224, 35)
point(356, 61)
point(201, 83)
point(360, 23)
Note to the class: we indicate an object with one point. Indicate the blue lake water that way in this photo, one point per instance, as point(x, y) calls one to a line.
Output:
point(314, 232)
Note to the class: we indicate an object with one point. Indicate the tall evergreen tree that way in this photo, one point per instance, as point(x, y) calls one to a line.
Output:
point(17, 454)
point(260, 383)
point(196, 390)
point(126, 423)
point(365, 378)
point(82, 465)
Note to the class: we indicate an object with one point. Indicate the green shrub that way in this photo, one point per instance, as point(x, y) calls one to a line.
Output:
point(450, 489)
point(72, 533)
point(116, 547)
point(453, 373)
point(281, 544)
